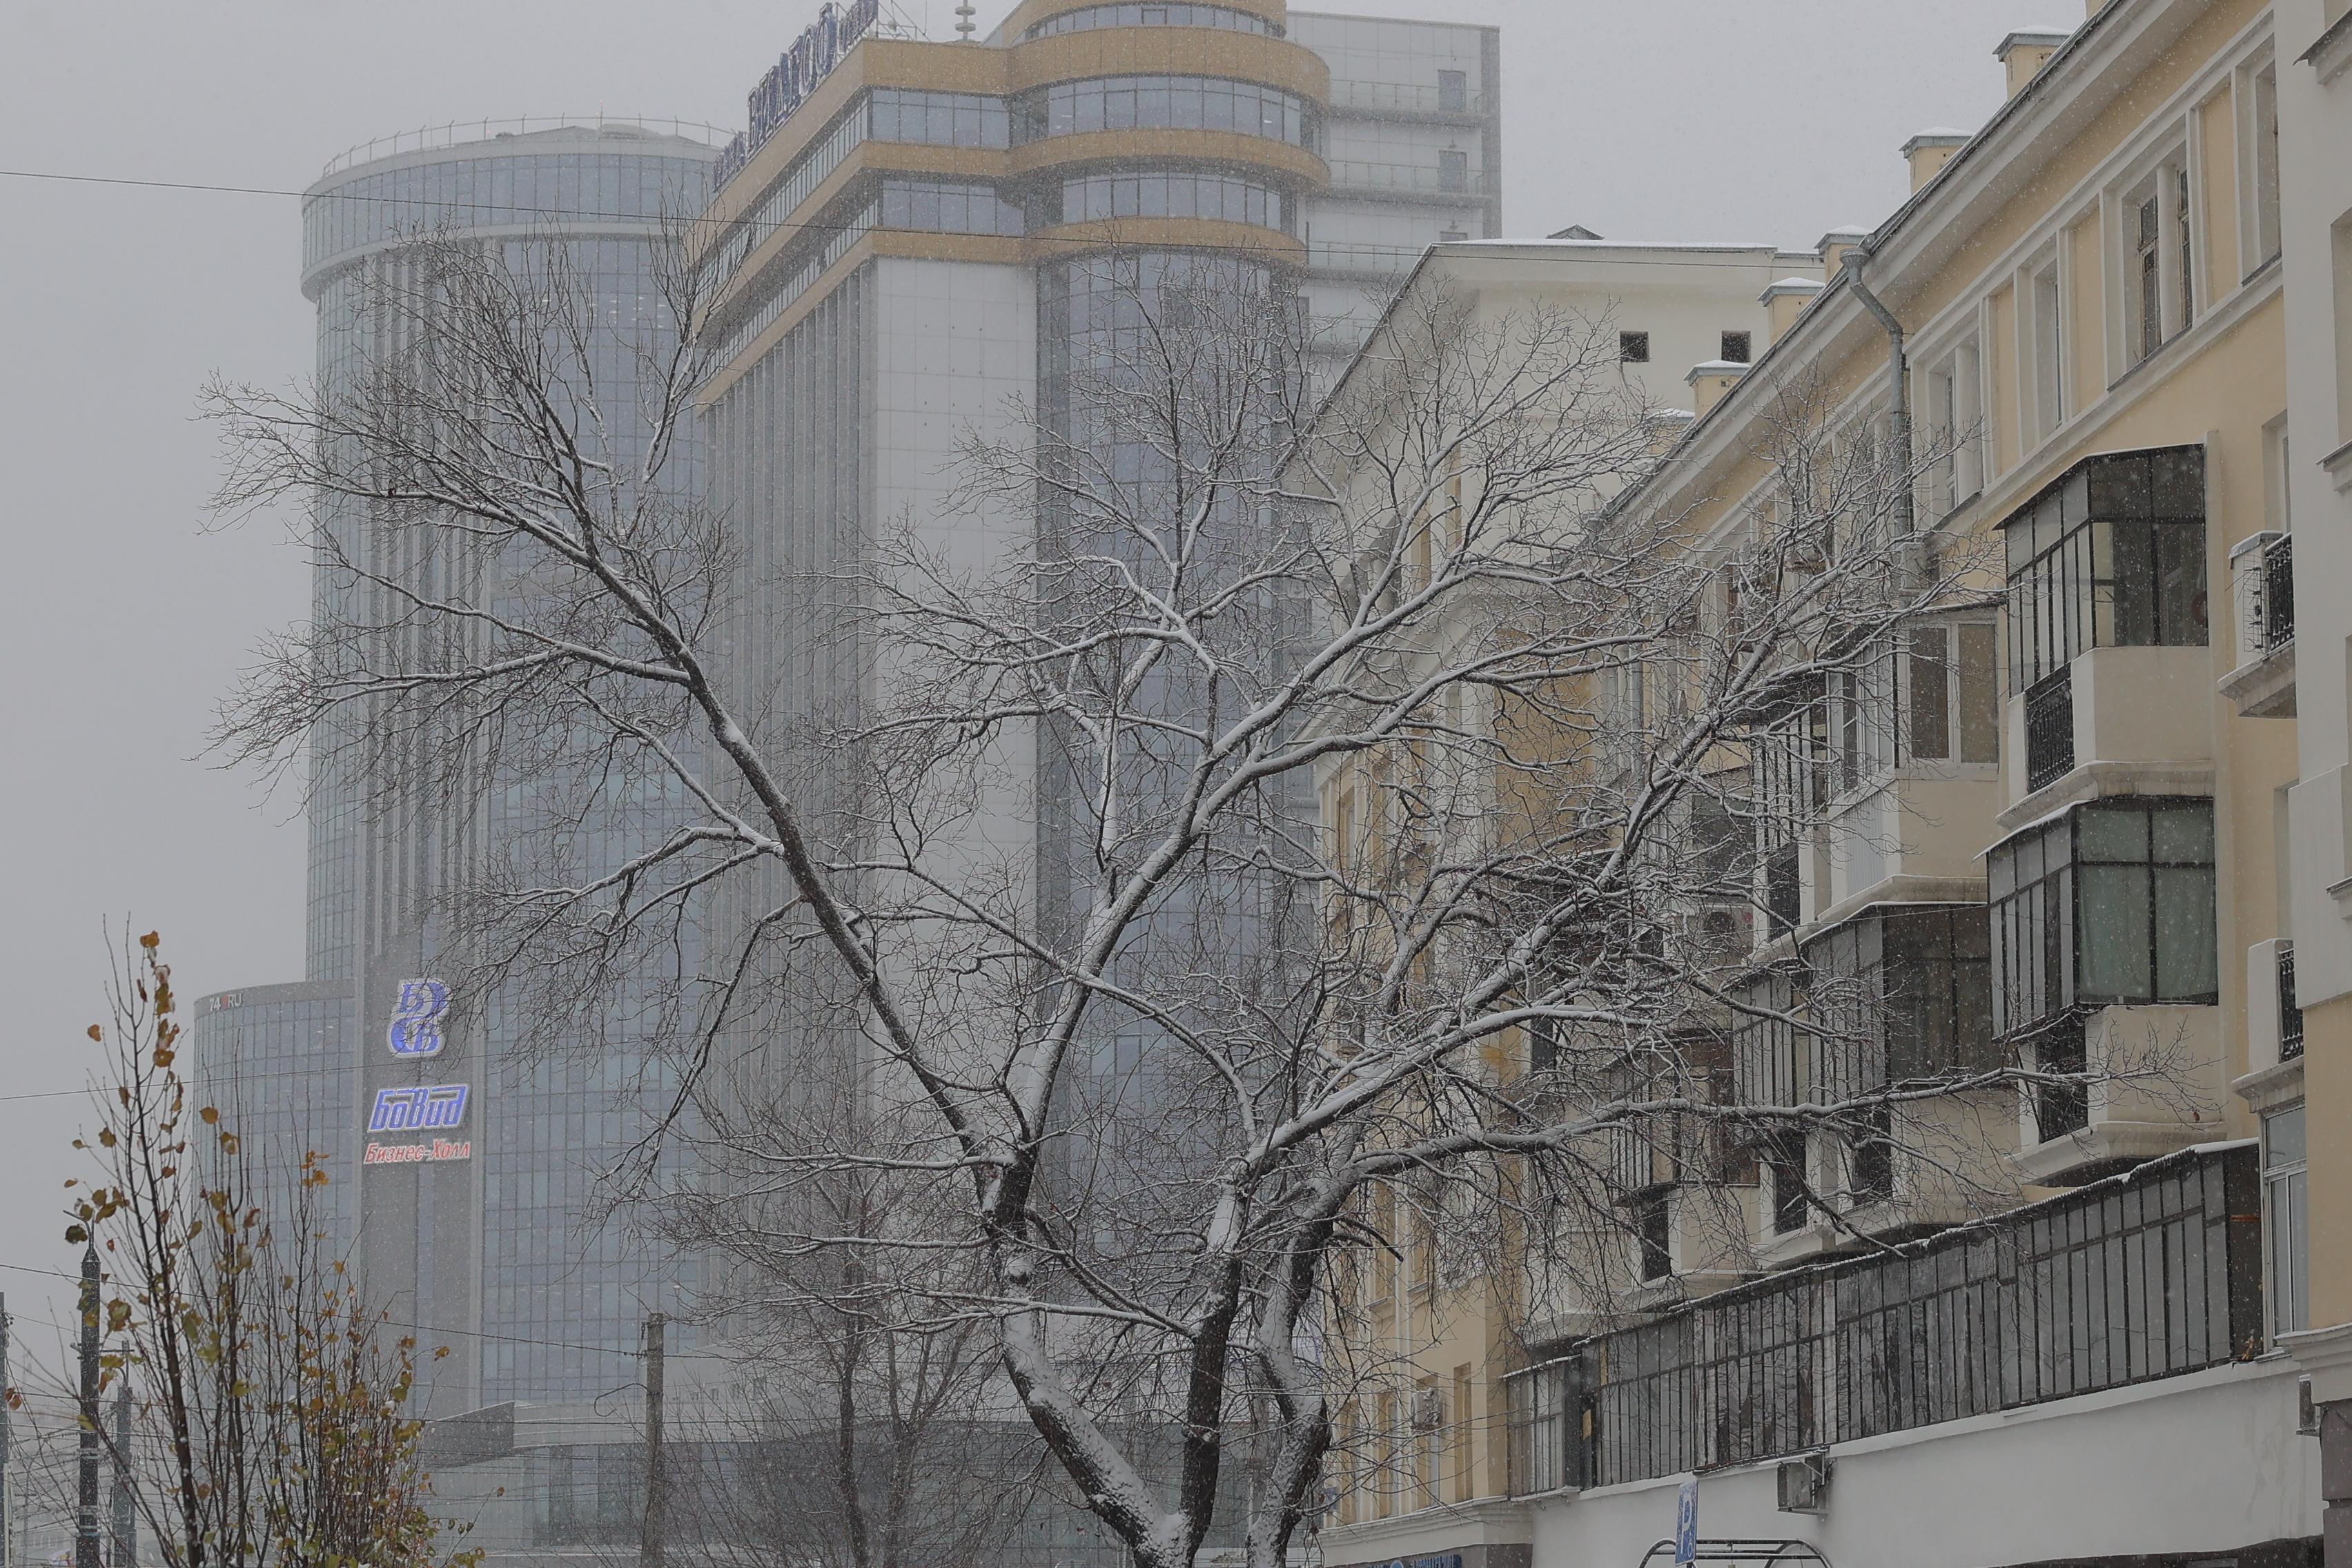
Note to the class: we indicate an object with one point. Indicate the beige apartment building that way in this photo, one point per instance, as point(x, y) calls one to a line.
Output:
point(2089, 827)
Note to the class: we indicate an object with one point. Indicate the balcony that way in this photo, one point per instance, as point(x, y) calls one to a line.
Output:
point(1445, 182)
point(2261, 582)
point(2147, 1093)
point(2153, 1274)
point(1409, 100)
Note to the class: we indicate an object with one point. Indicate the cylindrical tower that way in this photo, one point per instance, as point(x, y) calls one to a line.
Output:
point(480, 1232)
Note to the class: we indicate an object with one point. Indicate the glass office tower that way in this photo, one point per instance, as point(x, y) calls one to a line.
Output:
point(484, 1230)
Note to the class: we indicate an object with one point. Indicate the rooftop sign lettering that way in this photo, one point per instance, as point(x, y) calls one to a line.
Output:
point(796, 75)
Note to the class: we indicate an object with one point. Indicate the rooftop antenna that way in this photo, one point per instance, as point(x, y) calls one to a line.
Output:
point(964, 25)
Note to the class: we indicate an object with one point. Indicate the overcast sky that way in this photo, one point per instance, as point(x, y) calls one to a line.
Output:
point(124, 622)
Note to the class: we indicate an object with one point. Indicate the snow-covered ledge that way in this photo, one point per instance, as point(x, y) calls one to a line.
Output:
point(2326, 1355)
point(1494, 1531)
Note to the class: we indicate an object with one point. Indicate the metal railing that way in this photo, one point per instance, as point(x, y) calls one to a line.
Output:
point(2061, 1047)
point(2290, 1007)
point(2146, 1275)
point(458, 132)
point(1408, 97)
point(1415, 179)
point(2050, 730)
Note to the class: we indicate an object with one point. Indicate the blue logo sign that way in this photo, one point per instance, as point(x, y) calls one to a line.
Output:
point(418, 1110)
point(416, 1019)
point(1686, 1523)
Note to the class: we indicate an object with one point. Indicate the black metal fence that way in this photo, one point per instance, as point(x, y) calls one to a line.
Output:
point(2290, 1007)
point(2145, 1275)
point(2050, 730)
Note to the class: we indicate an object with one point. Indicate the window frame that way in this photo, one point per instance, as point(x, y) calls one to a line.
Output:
point(2038, 956)
point(2286, 1237)
point(2058, 601)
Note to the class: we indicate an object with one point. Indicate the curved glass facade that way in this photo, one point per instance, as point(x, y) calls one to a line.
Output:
point(508, 1252)
point(1165, 103)
point(482, 190)
point(1088, 18)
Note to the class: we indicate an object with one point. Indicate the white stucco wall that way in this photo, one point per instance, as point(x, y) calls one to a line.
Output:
point(2207, 1461)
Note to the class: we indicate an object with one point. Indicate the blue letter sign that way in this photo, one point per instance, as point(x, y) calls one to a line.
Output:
point(416, 1019)
point(419, 1109)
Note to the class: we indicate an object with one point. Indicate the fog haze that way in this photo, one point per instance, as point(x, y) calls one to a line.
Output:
point(126, 621)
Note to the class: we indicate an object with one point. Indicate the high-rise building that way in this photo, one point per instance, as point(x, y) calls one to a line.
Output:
point(463, 1170)
point(915, 239)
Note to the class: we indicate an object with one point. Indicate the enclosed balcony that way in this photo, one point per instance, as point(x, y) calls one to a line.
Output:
point(2106, 981)
point(2110, 677)
point(2261, 585)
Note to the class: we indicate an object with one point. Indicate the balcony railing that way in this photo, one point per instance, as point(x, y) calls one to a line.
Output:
point(2062, 1047)
point(2050, 730)
point(2146, 1275)
point(1410, 179)
point(1407, 98)
point(2262, 574)
point(2290, 1008)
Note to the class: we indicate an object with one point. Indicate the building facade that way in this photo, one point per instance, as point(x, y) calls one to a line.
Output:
point(2073, 831)
point(462, 1171)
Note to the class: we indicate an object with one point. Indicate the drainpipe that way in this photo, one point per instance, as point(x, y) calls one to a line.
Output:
point(1907, 520)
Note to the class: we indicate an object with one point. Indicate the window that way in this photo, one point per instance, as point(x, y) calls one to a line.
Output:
point(939, 119)
point(1654, 1233)
point(1634, 348)
point(1784, 1158)
point(2263, 138)
point(1951, 710)
point(1737, 347)
point(1453, 92)
point(944, 206)
point(1453, 170)
point(1870, 1162)
point(2342, 238)
point(2287, 1221)
point(2113, 904)
point(1955, 432)
point(1862, 710)
point(2047, 326)
point(2110, 555)
point(2160, 284)
point(1900, 995)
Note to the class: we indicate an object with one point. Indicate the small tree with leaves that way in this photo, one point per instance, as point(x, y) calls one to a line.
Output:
point(273, 1428)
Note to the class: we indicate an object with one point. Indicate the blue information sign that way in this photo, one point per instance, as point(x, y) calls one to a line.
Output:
point(1686, 1523)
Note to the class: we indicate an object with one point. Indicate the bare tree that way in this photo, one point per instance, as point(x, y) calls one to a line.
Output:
point(1340, 754)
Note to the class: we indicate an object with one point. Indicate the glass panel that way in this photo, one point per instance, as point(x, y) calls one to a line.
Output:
point(2118, 486)
point(1980, 693)
point(2184, 835)
point(1931, 676)
point(2187, 952)
point(2178, 486)
point(2113, 833)
point(2114, 934)
point(2179, 608)
point(2284, 1135)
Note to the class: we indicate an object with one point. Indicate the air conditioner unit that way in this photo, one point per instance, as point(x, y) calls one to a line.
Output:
point(2306, 1409)
point(1805, 1484)
point(1428, 1409)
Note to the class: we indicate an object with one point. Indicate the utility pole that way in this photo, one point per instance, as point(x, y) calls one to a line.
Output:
point(7, 1512)
point(649, 1546)
point(126, 1518)
point(85, 1549)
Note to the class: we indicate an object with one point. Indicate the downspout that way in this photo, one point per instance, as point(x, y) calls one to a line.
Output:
point(1907, 518)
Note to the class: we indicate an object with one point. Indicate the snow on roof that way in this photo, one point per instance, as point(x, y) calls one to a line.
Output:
point(1717, 367)
point(1794, 286)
